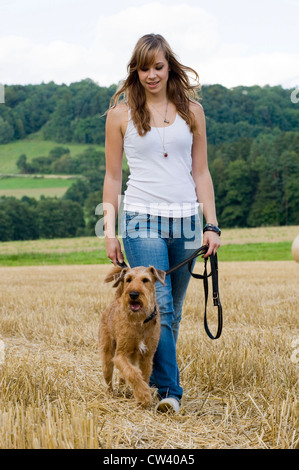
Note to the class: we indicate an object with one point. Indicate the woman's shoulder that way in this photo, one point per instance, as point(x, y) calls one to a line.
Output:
point(118, 112)
point(199, 115)
point(117, 117)
point(196, 107)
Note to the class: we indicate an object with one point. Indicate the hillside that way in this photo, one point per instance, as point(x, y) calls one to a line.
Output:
point(75, 113)
point(253, 150)
point(34, 146)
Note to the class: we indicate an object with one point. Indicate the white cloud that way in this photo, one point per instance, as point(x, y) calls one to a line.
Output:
point(255, 69)
point(193, 33)
point(23, 61)
point(189, 30)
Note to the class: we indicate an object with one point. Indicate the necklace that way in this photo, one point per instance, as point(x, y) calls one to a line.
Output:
point(165, 119)
point(165, 154)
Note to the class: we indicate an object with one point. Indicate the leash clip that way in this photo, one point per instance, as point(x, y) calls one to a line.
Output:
point(216, 298)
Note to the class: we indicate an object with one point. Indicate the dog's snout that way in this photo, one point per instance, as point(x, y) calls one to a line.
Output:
point(134, 295)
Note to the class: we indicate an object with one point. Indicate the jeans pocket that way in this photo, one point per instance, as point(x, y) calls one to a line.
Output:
point(136, 224)
point(130, 215)
point(192, 232)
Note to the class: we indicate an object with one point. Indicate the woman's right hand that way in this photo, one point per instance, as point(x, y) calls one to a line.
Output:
point(113, 250)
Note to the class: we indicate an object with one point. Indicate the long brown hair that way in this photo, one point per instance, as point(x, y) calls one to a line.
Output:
point(179, 89)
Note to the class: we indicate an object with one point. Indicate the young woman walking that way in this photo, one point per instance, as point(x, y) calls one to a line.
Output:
point(161, 129)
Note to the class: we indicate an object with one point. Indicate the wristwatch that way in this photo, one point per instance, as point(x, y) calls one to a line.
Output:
point(212, 228)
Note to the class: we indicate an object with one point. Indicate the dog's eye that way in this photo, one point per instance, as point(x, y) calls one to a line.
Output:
point(129, 279)
point(145, 279)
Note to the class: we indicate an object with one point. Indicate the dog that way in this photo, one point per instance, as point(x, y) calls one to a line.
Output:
point(129, 329)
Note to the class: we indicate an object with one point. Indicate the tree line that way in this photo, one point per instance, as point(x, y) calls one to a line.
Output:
point(257, 180)
point(71, 113)
point(29, 219)
point(73, 214)
point(60, 161)
point(76, 113)
point(253, 149)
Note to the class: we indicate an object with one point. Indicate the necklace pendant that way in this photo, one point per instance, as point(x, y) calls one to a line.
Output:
point(165, 154)
point(166, 121)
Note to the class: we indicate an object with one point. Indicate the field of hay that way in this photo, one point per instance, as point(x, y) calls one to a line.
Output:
point(241, 391)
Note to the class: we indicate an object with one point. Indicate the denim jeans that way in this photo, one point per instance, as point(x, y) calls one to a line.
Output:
point(163, 243)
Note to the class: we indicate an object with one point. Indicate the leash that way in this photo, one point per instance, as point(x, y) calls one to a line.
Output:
point(214, 273)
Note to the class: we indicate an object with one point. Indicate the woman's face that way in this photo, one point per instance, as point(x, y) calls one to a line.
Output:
point(154, 77)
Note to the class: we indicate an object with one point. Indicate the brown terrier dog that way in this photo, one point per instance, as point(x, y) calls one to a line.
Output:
point(130, 328)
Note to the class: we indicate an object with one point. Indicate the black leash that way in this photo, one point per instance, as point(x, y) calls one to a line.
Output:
point(214, 273)
point(215, 287)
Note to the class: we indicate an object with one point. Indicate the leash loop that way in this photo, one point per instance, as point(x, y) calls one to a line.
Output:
point(214, 273)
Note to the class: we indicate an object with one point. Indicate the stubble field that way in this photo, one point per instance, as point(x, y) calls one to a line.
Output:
point(240, 391)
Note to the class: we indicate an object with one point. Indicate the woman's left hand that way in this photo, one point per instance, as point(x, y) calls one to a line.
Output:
point(211, 239)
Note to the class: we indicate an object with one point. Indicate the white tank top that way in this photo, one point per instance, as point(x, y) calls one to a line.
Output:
point(159, 185)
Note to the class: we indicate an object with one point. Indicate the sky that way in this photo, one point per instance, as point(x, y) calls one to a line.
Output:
point(232, 42)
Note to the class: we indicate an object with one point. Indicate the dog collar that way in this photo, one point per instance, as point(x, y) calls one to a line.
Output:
point(151, 316)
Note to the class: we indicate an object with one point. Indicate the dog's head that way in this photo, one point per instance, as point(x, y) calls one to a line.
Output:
point(137, 285)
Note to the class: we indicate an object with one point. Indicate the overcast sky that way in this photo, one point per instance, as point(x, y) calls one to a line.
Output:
point(233, 42)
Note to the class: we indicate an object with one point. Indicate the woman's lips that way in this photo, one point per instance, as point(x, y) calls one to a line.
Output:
point(153, 84)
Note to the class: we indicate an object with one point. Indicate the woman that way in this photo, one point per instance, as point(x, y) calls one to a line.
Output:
point(162, 131)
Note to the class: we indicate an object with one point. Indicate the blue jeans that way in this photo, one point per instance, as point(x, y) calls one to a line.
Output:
point(163, 243)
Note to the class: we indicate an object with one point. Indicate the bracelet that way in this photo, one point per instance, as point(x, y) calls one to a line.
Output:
point(212, 228)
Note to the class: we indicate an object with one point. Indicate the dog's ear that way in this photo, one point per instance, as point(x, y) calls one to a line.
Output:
point(158, 274)
point(111, 275)
point(119, 277)
point(116, 274)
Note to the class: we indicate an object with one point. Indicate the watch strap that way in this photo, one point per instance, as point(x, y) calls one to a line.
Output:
point(212, 228)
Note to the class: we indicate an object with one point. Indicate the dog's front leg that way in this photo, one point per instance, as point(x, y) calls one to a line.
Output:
point(133, 376)
point(146, 366)
point(107, 349)
point(108, 373)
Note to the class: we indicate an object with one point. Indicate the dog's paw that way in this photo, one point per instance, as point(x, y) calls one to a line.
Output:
point(109, 390)
point(143, 397)
point(122, 381)
point(146, 401)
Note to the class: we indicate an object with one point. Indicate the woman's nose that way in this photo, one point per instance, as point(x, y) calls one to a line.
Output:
point(152, 73)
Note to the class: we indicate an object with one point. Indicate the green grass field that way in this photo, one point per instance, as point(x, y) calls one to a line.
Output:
point(27, 185)
point(252, 252)
point(252, 244)
point(33, 146)
point(34, 186)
